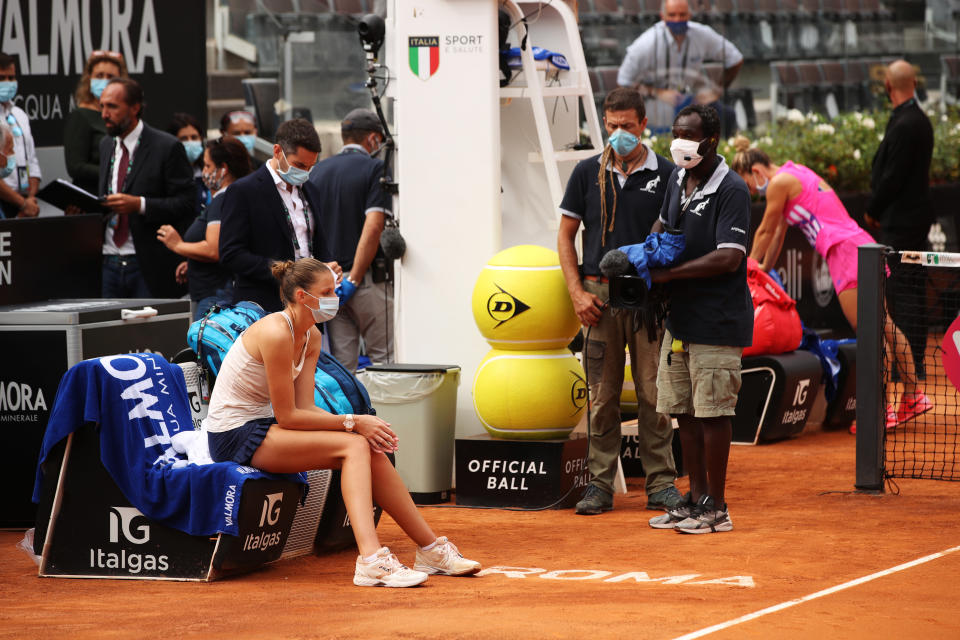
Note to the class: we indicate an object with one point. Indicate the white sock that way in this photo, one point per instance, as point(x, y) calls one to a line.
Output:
point(370, 559)
point(429, 546)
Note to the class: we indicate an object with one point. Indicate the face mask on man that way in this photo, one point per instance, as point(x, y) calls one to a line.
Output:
point(293, 175)
point(8, 90)
point(677, 28)
point(685, 153)
point(194, 149)
point(9, 167)
point(623, 142)
point(248, 140)
point(97, 85)
point(326, 308)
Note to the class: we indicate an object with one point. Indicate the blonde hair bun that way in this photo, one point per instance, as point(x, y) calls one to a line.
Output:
point(741, 143)
point(280, 268)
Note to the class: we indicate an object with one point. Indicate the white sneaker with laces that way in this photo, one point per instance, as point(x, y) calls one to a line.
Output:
point(386, 571)
point(444, 559)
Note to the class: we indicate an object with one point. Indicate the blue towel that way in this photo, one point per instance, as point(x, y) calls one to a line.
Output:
point(139, 401)
point(659, 250)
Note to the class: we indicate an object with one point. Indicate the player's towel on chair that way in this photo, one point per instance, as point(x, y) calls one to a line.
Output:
point(139, 401)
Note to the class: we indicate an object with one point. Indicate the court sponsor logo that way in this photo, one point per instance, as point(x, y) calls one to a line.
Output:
point(463, 43)
point(951, 352)
point(20, 402)
point(503, 306)
point(123, 532)
point(508, 475)
point(629, 577)
point(6, 258)
point(269, 516)
point(424, 55)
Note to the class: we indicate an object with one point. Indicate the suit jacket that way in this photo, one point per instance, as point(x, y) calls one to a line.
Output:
point(254, 233)
point(160, 173)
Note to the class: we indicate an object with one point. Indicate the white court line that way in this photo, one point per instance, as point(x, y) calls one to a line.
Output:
point(814, 596)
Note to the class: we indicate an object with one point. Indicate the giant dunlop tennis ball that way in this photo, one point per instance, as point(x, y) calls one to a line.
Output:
point(520, 301)
point(530, 395)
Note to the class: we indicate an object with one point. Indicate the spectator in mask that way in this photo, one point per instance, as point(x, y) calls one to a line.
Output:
point(242, 126)
point(18, 191)
point(185, 128)
point(84, 127)
point(224, 160)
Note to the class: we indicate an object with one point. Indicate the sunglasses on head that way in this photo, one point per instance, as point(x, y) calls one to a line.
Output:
point(109, 54)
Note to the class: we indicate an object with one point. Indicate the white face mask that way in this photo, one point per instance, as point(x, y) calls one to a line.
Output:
point(761, 188)
point(685, 153)
point(326, 308)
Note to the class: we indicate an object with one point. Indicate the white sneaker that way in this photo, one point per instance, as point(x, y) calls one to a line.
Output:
point(444, 559)
point(386, 571)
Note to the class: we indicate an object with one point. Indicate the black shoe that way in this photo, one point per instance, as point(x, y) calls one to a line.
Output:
point(595, 501)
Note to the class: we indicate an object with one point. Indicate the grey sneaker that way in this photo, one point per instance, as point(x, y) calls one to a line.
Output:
point(680, 513)
point(595, 501)
point(706, 518)
point(444, 559)
point(665, 499)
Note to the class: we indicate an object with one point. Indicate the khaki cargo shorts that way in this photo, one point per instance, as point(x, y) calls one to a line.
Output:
point(703, 381)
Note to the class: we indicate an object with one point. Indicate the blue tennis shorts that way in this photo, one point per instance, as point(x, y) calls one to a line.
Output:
point(239, 444)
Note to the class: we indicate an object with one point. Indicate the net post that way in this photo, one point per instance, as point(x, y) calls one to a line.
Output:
point(871, 394)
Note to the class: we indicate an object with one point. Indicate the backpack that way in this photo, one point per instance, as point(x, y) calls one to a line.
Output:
point(337, 390)
point(211, 336)
point(776, 323)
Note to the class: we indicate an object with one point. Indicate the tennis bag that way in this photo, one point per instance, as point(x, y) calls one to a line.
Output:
point(776, 323)
point(211, 336)
point(335, 389)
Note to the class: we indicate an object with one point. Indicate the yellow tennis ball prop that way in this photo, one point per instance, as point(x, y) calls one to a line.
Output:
point(520, 300)
point(628, 394)
point(530, 395)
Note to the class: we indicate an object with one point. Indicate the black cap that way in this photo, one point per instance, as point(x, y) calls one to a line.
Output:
point(363, 119)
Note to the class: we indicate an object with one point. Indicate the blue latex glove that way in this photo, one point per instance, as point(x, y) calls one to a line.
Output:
point(345, 291)
point(776, 278)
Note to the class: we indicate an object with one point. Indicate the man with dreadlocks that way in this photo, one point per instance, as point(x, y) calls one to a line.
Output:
point(617, 195)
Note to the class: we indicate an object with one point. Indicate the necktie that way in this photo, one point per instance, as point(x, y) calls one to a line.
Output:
point(122, 231)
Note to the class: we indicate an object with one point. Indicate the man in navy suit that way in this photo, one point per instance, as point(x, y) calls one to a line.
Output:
point(272, 215)
point(147, 182)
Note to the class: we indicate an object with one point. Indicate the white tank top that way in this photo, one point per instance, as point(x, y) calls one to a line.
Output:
point(241, 393)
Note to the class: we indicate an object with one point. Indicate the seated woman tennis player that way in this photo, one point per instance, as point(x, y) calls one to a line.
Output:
point(262, 414)
point(798, 197)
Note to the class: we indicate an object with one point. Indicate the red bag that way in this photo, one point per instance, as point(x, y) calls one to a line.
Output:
point(776, 323)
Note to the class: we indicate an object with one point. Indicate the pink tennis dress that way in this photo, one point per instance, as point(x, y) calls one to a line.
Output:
point(826, 224)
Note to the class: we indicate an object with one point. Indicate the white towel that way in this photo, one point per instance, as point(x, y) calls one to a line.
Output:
point(194, 445)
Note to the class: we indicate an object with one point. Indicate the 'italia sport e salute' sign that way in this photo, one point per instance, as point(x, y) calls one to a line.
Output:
point(162, 43)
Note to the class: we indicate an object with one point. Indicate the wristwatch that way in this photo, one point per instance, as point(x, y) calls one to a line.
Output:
point(348, 422)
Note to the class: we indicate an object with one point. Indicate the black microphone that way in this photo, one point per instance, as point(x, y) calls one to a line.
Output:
point(615, 263)
point(392, 243)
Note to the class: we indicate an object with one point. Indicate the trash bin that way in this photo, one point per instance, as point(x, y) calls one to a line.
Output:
point(420, 403)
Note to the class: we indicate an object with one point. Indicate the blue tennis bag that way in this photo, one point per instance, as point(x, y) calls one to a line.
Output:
point(336, 389)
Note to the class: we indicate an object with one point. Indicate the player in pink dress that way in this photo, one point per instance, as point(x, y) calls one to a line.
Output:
point(798, 197)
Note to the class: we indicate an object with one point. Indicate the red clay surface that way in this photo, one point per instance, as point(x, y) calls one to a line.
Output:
point(798, 530)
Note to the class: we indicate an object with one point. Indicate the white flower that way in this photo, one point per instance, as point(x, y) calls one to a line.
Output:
point(825, 128)
point(729, 142)
point(795, 115)
point(767, 140)
point(813, 117)
point(647, 133)
point(869, 123)
point(858, 116)
point(880, 137)
point(653, 139)
point(944, 118)
point(856, 154)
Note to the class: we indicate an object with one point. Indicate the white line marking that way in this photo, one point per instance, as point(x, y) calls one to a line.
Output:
point(814, 596)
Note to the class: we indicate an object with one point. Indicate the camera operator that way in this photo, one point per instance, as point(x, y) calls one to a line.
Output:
point(617, 196)
point(710, 319)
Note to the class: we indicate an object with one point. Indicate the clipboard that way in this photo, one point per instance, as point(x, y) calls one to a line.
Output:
point(62, 194)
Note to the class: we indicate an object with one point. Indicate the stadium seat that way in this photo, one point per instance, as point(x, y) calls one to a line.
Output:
point(787, 91)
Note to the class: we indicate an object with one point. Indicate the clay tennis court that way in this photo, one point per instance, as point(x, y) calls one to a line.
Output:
point(798, 531)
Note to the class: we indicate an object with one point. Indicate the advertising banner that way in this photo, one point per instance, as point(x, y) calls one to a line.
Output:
point(162, 42)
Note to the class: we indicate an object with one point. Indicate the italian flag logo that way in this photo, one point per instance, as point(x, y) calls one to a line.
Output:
point(424, 55)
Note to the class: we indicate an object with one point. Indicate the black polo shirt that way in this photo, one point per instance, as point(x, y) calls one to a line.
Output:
point(715, 310)
point(205, 278)
point(638, 202)
point(349, 188)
